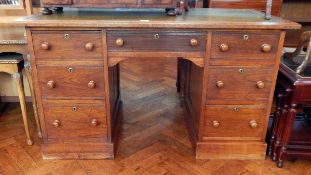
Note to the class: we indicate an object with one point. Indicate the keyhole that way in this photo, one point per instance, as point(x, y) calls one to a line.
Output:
point(241, 71)
point(236, 109)
point(156, 36)
point(74, 109)
point(66, 36)
point(70, 69)
point(245, 37)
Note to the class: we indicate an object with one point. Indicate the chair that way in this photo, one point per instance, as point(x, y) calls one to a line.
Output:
point(291, 134)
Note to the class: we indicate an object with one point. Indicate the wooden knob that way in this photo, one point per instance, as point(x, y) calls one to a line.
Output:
point(193, 42)
point(216, 124)
point(94, 122)
point(50, 84)
point(224, 47)
point(119, 42)
point(91, 84)
point(45, 46)
point(266, 48)
point(56, 123)
point(89, 46)
point(220, 84)
point(260, 84)
point(253, 124)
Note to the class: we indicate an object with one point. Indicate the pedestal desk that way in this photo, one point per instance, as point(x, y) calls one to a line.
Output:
point(228, 63)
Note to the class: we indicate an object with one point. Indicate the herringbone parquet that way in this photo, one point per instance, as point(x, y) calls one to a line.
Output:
point(154, 138)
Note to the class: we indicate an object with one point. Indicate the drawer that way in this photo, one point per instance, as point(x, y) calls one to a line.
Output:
point(235, 121)
point(156, 41)
point(244, 48)
point(75, 45)
point(71, 81)
point(75, 120)
point(243, 85)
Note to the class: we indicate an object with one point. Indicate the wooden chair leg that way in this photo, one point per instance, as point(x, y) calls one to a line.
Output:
point(34, 101)
point(20, 89)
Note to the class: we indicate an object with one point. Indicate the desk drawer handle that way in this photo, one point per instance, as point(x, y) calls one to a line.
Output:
point(193, 42)
point(56, 123)
point(89, 46)
point(216, 124)
point(253, 124)
point(50, 84)
point(266, 48)
point(119, 42)
point(224, 47)
point(91, 84)
point(220, 84)
point(94, 122)
point(236, 109)
point(260, 84)
point(45, 46)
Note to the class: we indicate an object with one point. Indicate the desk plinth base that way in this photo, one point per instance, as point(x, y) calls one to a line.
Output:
point(217, 150)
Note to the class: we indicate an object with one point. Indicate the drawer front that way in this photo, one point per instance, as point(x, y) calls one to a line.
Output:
point(75, 45)
point(232, 85)
point(234, 121)
point(71, 81)
point(156, 41)
point(240, 48)
point(75, 120)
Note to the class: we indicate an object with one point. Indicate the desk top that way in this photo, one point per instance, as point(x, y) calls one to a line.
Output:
point(197, 18)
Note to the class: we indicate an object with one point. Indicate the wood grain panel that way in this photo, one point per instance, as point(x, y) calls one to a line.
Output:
point(72, 48)
point(239, 88)
point(70, 85)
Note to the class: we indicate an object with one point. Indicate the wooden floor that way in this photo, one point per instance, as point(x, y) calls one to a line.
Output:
point(154, 139)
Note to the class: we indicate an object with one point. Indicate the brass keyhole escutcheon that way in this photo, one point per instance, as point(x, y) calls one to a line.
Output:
point(66, 36)
point(156, 36)
point(245, 37)
point(236, 109)
point(70, 69)
point(74, 108)
point(241, 71)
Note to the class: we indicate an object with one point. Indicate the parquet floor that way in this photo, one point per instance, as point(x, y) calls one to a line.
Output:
point(154, 139)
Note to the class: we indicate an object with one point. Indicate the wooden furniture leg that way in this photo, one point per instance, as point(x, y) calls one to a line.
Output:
point(34, 102)
point(289, 123)
point(275, 123)
point(20, 88)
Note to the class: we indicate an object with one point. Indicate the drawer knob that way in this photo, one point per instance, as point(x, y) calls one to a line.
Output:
point(50, 84)
point(89, 46)
point(266, 48)
point(253, 124)
point(119, 42)
point(260, 84)
point(216, 124)
point(224, 47)
point(56, 123)
point(91, 84)
point(45, 46)
point(94, 122)
point(220, 84)
point(193, 42)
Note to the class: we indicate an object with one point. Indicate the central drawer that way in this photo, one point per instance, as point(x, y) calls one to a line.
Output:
point(71, 81)
point(155, 41)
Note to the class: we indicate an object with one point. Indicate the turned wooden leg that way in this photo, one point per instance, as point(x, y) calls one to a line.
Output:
point(275, 123)
point(34, 101)
point(290, 119)
point(21, 94)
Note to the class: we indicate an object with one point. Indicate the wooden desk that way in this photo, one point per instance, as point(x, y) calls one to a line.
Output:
point(229, 63)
